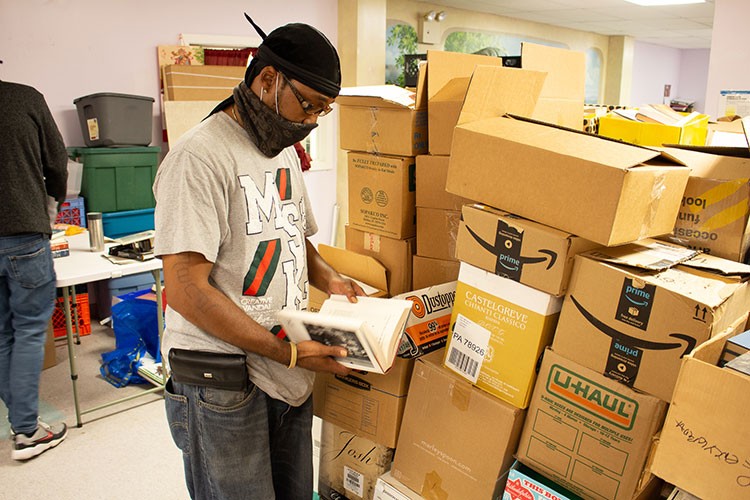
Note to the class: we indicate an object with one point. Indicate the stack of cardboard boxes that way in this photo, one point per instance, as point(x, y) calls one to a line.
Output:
point(572, 327)
point(383, 128)
point(631, 312)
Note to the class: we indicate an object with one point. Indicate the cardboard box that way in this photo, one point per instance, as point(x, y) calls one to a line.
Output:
point(653, 134)
point(704, 447)
point(201, 83)
point(436, 232)
point(429, 272)
point(432, 172)
point(562, 96)
point(518, 249)
point(388, 488)
point(456, 439)
point(427, 327)
point(395, 255)
point(605, 191)
point(550, 87)
point(524, 483)
point(369, 404)
point(736, 346)
point(632, 312)
point(499, 328)
point(349, 464)
point(366, 270)
point(50, 356)
point(587, 432)
point(715, 211)
point(382, 192)
point(448, 75)
point(384, 119)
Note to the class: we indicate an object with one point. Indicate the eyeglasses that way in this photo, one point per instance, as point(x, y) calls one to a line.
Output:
point(308, 108)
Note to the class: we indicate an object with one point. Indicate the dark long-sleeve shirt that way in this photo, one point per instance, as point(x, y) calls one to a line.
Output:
point(33, 160)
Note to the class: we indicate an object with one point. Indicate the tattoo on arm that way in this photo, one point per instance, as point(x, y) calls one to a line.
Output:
point(197, 298)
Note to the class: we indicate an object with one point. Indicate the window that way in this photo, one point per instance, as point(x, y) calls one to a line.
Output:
point(400, 40)
point(593, 75)
point(469, 42)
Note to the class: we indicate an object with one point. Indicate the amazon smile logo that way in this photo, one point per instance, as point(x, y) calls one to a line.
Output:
point(682, 341)
point(507, 249)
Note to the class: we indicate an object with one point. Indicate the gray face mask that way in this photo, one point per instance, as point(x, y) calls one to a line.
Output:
point(269, 131)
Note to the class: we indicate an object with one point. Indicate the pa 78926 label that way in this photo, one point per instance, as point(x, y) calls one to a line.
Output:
point(468, 346)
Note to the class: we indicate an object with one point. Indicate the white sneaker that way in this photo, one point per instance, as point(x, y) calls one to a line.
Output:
point(44, 438)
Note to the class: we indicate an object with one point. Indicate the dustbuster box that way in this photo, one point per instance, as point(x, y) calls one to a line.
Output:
point(589, 433)
point(704, 447)
point(518, 249)
point(382, 191)
point(456, 440)
point(499, 328)
point(368, 404)
point(632, 312)
point(349, 464)
point(427, 327)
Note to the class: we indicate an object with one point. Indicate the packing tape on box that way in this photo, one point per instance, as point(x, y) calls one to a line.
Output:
point(653, 207)
point(728, 214)
point(431, 487)
point(460, 392)
point(373, 131)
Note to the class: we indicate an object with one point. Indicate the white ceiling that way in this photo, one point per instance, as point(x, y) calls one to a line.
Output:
point(678, 26)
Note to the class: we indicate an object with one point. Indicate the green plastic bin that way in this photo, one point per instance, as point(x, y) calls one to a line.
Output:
point(116, 179)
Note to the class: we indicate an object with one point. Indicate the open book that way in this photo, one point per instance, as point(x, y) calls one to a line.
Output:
point(370, 330)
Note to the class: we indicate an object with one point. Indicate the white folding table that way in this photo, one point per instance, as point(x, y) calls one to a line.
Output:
point(84, 266)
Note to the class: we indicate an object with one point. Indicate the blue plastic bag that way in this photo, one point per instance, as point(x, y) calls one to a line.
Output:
point(136, 328)
point(120, 367)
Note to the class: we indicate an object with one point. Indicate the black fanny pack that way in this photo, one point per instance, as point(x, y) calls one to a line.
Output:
point(208, 369)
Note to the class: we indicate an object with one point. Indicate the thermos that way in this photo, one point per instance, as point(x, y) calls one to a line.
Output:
point(96, 231)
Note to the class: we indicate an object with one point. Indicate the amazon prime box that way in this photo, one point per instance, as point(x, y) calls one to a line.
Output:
point(518, 249)
point(633, 312)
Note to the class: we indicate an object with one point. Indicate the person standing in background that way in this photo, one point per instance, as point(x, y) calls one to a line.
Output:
point(33, 167)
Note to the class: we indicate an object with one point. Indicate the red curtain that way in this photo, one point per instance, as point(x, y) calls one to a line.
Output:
point(228, 57)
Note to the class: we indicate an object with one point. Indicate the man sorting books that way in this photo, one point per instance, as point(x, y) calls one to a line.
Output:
point(232, 222)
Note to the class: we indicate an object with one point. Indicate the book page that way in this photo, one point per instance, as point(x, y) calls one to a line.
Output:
point(385, 319)
point(345, 332)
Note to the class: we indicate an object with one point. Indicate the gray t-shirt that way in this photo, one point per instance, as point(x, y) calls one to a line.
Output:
point(249, 215)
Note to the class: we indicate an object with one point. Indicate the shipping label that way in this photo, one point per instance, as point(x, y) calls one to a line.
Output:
point(467, 348)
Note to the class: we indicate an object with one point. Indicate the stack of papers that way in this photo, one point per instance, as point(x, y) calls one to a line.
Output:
point(657, 113)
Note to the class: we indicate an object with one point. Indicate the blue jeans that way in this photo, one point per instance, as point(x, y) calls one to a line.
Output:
point(27, 299)
point(241, 444)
